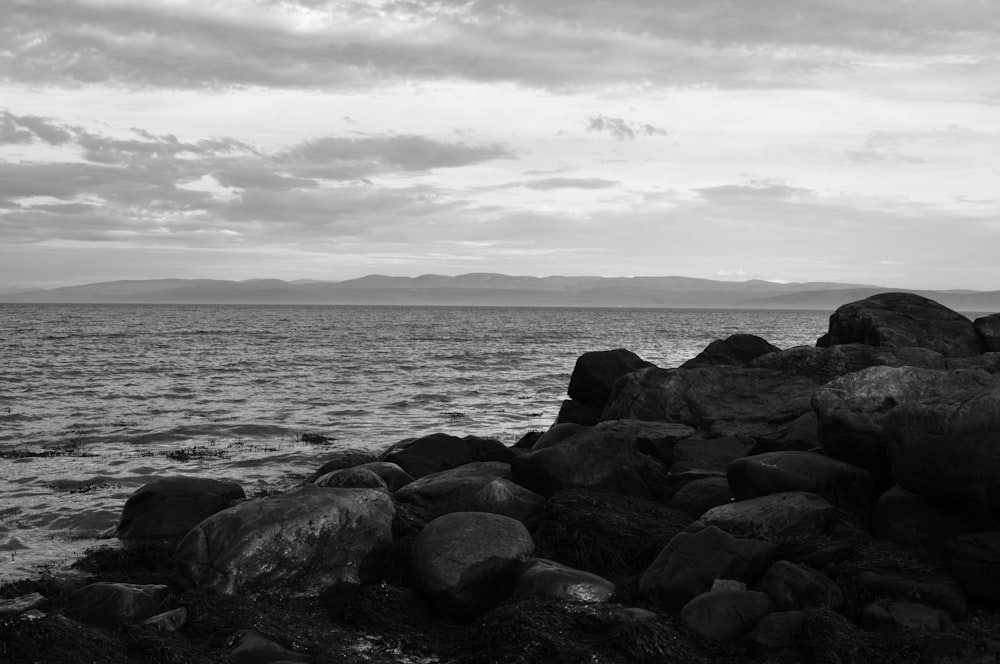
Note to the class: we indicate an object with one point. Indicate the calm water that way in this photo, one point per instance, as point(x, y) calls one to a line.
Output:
point(96, 400)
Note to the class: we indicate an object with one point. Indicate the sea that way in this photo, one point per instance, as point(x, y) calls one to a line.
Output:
point(97, 400)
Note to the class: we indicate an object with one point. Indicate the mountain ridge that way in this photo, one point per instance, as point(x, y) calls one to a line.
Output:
point(494, 289)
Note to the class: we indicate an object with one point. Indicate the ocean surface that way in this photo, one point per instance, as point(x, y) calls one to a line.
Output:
point(96, 400)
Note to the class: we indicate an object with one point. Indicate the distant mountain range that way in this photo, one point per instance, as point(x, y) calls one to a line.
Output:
point(481, 289)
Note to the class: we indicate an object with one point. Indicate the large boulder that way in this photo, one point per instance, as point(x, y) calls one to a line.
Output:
point(440, 451)
point(737, 349)
point(465, 563)
point(799, 587)
point(843, 485)
point(691, 562)
point(352, 478)
point(948, 447)
point(547, 578)
point(698, 458)
point(774, 517)
point(988, 329)
point(394, 477)
point(898, 320)
point(699, 496)
point(502, 496)
point(725, 615)
point(761, 401)
point(454, 490)
point(348, 457)
point(170, 506)
point(595, 374)
point(592, 460)
point(657, 439)
point(851, 409)
point(298, 543)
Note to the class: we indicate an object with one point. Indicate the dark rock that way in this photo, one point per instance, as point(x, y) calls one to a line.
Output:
point(905, 615)
point(774, 517)
point(394, 477)
point(852, 409)
point(737, 349)
point(352, 478)
point(557, 433)
point(454, 490)
point(607, 534)
point(110, 604)
point(548, 578)
point(592, 460)
point(691, 562)
point(502, 496)
point(488, 449)
point(988, 329)
point(699, 496)
point(948, 447)
point(248, 646)
point(698, 458)
point(316, 439)
point(653, 438)
point(299, 543)
point(170, 506)
point(574, 412)
point(465, 563)
point(899, 320)
point(340, 459)
point(168, 621)
point(975, 563)
point(18, 605)
point(939, 590)
point(429, 454)
point(797, 587)
point(595, 374)
point(776, 635)
point(528, 440)
point(907, 518)
point(843, 485)
point(725, 615)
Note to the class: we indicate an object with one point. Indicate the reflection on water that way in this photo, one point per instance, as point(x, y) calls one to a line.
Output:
point(96, 400)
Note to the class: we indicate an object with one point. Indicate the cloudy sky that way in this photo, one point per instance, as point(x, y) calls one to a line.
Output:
point(794, 140)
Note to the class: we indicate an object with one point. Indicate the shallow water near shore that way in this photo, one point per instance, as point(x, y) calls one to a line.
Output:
point(96, 400)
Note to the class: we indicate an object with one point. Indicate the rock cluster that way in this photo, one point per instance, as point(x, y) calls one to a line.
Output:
point(830, 503)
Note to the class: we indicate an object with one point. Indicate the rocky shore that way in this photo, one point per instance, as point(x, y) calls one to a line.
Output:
point(829, 504)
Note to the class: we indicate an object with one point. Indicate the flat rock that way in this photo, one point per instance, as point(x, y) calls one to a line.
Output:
point(903, 320)
point(454, 490)
point(170, 506)
point(843, 485)
point(465, 563)
point(18, 605)
point(901, 614)
point(692, 562)
point(774, 517)
point(298, 543)
point(109, 604)
point(548, 578)
point(725, 615)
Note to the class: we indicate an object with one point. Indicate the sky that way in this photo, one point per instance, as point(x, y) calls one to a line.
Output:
point(790, 140)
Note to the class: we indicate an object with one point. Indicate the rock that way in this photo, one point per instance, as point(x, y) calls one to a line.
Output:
point(696, 458)
point(454, 490)
point(170, 506)
point(776, 636)
point(574, 412)
point(797, 587)
point(851, 410)
point(528, 440)
point(502, 496)
point(110, 604)
point(975, 563)
point(940, 590)
point(248, 646)
point(550, 579)
point(907, 518)
point(464, 563)
point(168, 621)
point(595, 374)
point(429, 454)
point(988, 329)
point(691, 562)
point(774, 517)
point(488, 449)
point(948, 447)
point(737, 349)
point(557, 433)
point(352, 478)
point(592, 460)
point(632, 615)
point(298, 543)
point(394, 477)
point(905, 615)
point(843, 485)
point(18, 605)
point(898, 320)
point(725, 615)
point(348, 457)
point(699, 496)
point(653, 438)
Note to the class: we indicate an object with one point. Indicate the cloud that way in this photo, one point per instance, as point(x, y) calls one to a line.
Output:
point(31, 129)
point(622, 129)
point(568, 183)
point(755, 190)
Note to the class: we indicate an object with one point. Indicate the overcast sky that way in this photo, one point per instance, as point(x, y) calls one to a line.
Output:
point(794, 140)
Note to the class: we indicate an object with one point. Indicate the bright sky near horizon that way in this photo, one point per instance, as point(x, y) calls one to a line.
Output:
point(793, 140)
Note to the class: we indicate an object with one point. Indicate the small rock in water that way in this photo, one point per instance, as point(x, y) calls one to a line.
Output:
point(316, 439)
